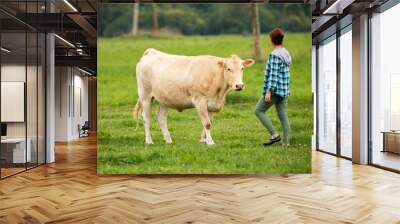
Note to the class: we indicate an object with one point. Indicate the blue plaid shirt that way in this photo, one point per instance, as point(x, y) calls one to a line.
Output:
point(277, 77)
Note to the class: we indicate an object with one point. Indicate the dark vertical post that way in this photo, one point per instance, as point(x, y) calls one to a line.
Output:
point(26, 85)
point(317, 97)
point(73, 91)
point(338, 73)
point(37, 89)
point(369, 97)
point(45, 94)
point(0, 92)
point(46, 74)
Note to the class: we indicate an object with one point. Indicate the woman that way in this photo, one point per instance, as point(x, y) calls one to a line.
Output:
point(276, 89)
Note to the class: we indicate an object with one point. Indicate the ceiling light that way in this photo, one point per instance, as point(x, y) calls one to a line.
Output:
point(84, 71)
point(65, 41)
point(70, 5)
point(5, 50)
point(338, 6)
point(80, 51)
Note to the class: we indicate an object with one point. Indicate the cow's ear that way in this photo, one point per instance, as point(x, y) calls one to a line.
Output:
point(221, 63)
point(248, 63)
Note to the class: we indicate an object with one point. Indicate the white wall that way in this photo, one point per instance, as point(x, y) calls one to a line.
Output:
point(79, 117)
point(33, 126)
point(62, 82)
point(16, 73)
point(71, 87)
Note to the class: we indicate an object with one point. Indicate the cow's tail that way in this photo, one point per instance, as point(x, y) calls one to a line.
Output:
point(136, 112)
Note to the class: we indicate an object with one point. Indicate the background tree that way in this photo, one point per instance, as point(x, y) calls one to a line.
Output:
point(256, 31)
point(154, 17)
point(135, 19)
point(203, 18)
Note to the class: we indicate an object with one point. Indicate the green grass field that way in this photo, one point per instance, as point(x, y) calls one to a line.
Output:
point(235, 130)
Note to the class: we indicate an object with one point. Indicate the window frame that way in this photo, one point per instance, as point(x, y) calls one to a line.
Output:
point(338, 32)
point(379, 10)
point(27, 29)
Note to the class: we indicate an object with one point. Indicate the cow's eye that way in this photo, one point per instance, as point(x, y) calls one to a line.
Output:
point(229, 70)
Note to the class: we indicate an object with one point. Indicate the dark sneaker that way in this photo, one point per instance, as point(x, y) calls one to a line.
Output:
point(272, 140)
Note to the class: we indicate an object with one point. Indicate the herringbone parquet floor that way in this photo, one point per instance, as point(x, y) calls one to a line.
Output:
point(69, 191)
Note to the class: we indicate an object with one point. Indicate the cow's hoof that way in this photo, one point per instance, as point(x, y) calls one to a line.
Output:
point(168, 141)
point(203, 141)
point(210, 142)
point(149, 143)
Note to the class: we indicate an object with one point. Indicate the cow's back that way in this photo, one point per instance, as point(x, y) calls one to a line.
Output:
point(175, 79)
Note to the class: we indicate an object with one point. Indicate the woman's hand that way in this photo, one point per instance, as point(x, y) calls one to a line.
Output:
point(267, 97)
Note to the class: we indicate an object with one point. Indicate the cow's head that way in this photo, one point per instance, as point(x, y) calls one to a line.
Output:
point(233, 71)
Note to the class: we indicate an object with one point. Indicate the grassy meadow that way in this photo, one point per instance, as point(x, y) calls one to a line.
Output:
point(236, 130)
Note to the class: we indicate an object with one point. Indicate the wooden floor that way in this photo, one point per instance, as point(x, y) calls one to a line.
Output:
point(387, 159)
point(5, 172)
point(69, 191)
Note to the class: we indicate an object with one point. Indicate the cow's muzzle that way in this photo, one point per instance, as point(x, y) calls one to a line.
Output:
point(239, 87)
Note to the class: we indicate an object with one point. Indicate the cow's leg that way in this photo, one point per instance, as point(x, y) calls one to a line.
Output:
point(205, 120)
point(147, 119)
point(203, 133)
point(162, 115)
point(203, 136)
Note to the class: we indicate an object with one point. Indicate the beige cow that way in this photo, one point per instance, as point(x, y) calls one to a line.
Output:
point(183, 82)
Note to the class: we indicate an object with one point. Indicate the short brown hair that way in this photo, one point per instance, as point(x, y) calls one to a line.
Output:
point(276, 36)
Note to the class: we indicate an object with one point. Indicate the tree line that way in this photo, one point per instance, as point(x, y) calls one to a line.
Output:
point(201, 19)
